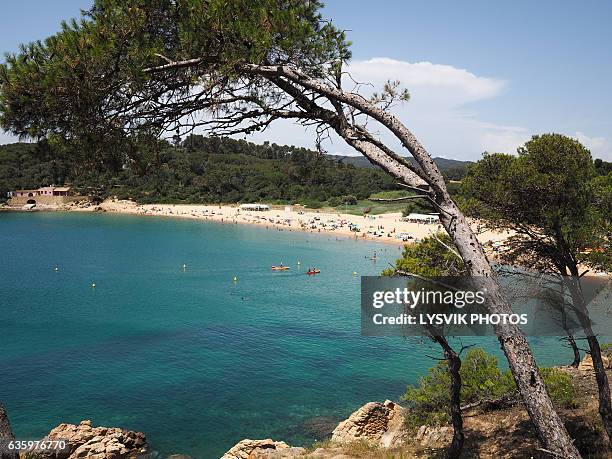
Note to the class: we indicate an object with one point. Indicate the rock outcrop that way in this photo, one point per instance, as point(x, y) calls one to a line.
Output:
point(377, 423)
point(434, 437)
point(6, 433)
point(260, 449)
point(85, 441)
point(380, 424)
point(587, 363)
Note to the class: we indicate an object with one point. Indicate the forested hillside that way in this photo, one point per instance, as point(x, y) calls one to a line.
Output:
point(197, 170)
point(209, 170)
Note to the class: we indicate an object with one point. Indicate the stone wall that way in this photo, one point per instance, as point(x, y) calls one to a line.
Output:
point(44, 200)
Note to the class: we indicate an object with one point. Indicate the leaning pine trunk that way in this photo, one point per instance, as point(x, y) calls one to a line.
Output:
point(548, 425)
point(603, 386)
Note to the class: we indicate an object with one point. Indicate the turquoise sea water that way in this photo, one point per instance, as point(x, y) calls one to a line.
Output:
point(188, 357)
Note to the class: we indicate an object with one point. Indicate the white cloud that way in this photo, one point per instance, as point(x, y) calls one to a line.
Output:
point(501, 139)
point(7, 138)
point(598, 145)
point(441, 107)
point(427, 79)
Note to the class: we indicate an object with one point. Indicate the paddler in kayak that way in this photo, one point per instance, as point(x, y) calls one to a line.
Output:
point(280, 267)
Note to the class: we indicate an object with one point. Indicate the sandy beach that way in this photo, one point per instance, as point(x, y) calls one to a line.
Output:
point(386, 228)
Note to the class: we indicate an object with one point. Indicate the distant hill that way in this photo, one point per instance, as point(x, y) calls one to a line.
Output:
point(451, 168)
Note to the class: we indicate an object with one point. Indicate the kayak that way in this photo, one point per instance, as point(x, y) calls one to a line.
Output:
point(313, 271)
point(280, 268)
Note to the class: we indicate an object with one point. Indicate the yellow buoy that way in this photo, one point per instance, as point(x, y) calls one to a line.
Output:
point(354, 273)
point(235, 279)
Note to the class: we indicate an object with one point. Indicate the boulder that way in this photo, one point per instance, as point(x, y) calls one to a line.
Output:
point(260, 449)
point(377, 423)
point(85, 441)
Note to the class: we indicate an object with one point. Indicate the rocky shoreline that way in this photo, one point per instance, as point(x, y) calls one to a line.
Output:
point(376, 426)
point(377, 423)
point(377, 429)
point(71, 441)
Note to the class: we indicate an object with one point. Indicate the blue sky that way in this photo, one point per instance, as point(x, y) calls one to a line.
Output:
point(483, 75)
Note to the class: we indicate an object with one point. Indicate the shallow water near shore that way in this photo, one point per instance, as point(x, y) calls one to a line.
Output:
point(187, 356)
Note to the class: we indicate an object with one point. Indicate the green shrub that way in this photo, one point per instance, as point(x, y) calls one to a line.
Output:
point(559, 386)
point(392, 194)
point(481, 378)
point(429, 400)
point(429, 258)
point(339, 201)
point(311, 203)
point(349, 199)
point(334, 202)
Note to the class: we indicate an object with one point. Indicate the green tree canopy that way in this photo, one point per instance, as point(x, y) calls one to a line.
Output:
point(548, 196)
point(433, 256)
point(97, 76)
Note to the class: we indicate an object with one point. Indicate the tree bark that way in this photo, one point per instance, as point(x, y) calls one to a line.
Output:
point(603, 385)
point(570, 337)
point(575, 350)
point(549, 427)
point(454, 367)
